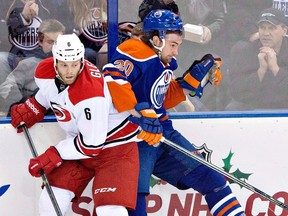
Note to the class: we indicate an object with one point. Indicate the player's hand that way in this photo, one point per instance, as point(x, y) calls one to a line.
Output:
point(214, 73)
point(150, 138)
point(197, 76)
point(149, 123)
point(47, 162)
point(29, 112)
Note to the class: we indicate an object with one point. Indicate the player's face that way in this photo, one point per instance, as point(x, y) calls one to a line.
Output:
point(68, 71)
point(170, 50)
point(271, 35)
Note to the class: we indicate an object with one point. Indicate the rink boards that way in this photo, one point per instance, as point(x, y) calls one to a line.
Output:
point(253, 144)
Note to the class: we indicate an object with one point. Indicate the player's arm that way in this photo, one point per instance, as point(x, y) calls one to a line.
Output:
point(120, 88)
point(124, 99)
point(142, 113)
point(91, 119)
point(92, 124)
point(174, 95)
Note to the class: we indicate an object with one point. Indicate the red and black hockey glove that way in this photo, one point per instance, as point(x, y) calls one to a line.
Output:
point(200, 73)
point(47, 162)
point(149, 123)
point(29, 112)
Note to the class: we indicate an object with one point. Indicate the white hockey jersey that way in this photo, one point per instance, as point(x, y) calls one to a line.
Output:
point(84, 110)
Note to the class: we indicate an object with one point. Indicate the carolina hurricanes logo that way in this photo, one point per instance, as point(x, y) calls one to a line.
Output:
point(160, 87)
point(62, 114)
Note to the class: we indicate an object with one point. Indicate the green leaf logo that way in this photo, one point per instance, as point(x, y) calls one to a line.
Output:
point(237, 173)
point(153, 181)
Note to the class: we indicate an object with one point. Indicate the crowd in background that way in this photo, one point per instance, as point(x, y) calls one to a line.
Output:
point(231, 30)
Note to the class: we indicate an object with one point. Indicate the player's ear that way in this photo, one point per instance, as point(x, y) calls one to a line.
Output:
point(157, 42)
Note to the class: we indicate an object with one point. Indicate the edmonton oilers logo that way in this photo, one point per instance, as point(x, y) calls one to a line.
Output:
point(28, 40)
point(160, 87)
point(95, 29)
point(158, 14)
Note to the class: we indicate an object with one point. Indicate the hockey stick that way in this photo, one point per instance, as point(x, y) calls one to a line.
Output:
point(221, 171)
point(44, 177)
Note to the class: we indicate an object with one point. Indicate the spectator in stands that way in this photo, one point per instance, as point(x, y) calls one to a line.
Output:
point(23, 23)
point(281, 5)
point(149, 5)
point(20, 84)
point(241, 21)
point(90, 18)
point(259, 70)
point(240, 27)
point(210, 15)
point(48, 9)
point(4, 42)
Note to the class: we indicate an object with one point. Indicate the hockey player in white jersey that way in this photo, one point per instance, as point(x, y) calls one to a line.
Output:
point(100, 141)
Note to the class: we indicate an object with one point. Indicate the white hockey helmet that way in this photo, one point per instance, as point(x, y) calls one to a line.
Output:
point(68, 47)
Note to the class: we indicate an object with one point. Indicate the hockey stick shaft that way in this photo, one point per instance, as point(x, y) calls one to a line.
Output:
point(228, 175)
point(43, 175)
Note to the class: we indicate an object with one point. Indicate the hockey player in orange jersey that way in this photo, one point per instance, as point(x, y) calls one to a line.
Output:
point(140, 75)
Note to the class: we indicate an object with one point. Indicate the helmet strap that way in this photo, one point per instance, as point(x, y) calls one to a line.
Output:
point(56, 70)
point(57, 73)
point(159, 49)
point(82, 65)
